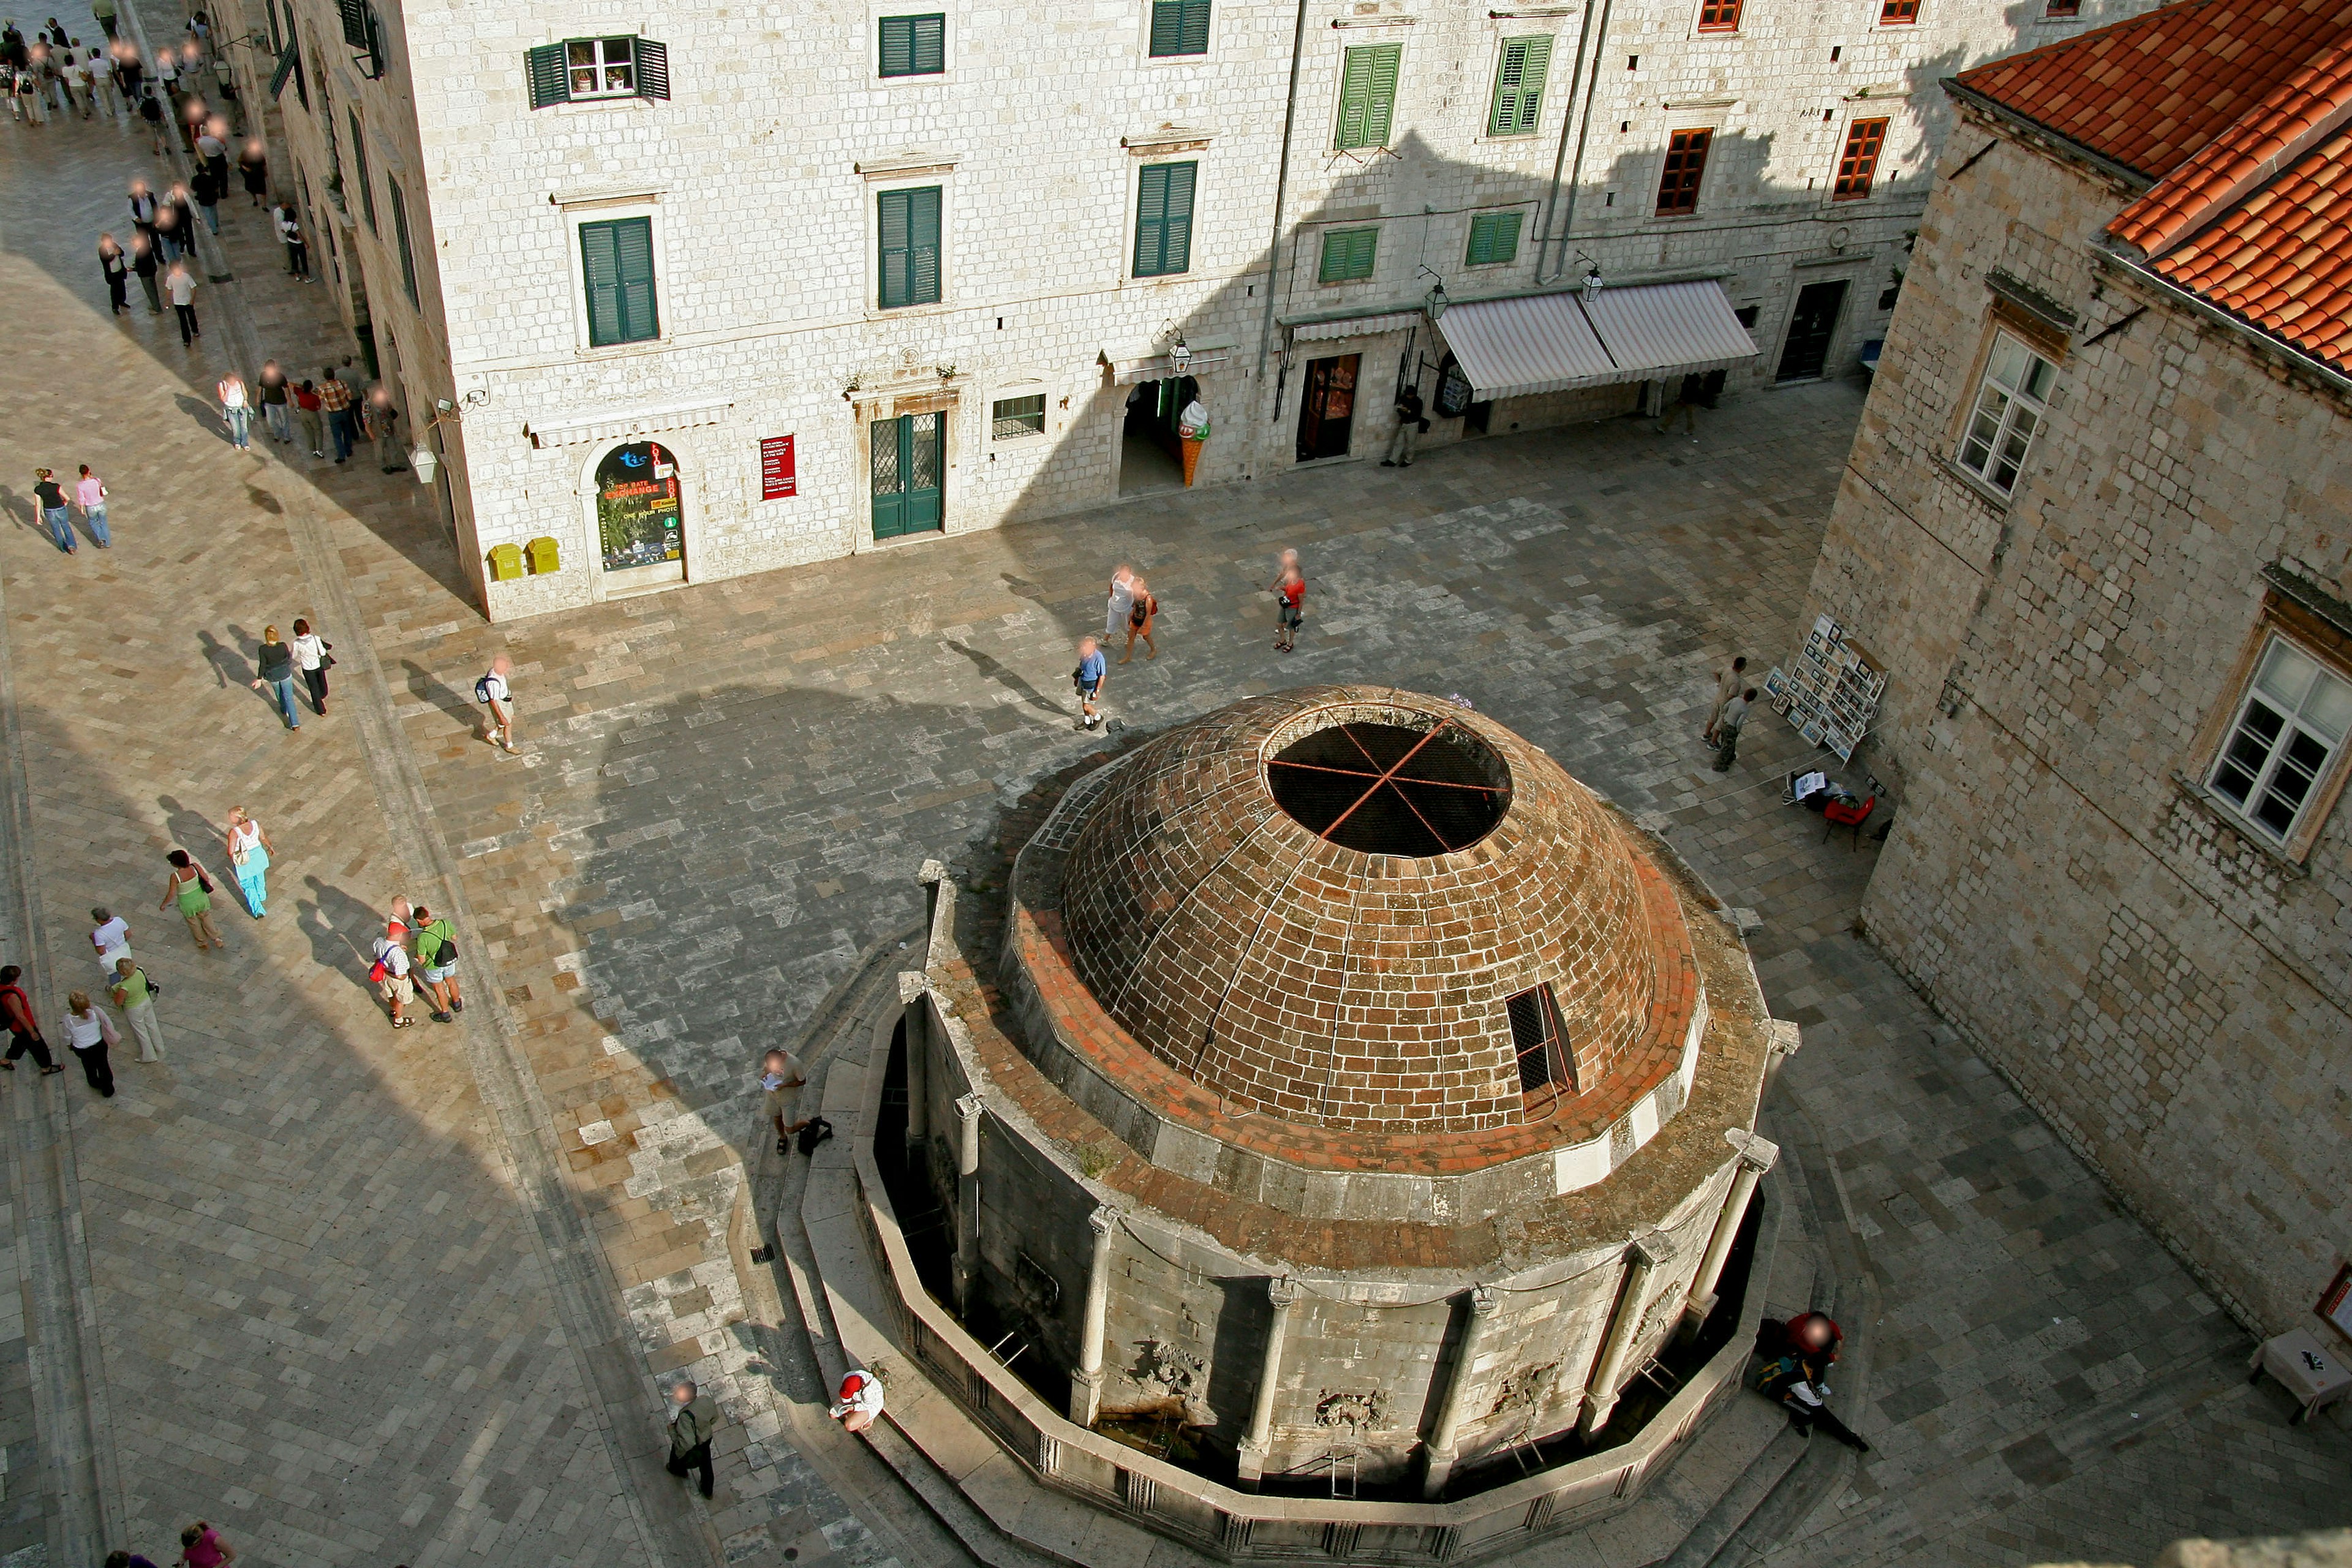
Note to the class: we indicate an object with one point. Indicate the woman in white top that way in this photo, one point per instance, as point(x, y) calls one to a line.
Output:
point(90, 1031)
point(111, 934)
point(310, 652)
point(249, 854)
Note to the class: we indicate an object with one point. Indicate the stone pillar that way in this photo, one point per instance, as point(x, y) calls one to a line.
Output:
point(1755, 1157)
point(1086, 1384)
point(1283, 1291)
point(1645, 1257)
point(914, 994)
point(1441, 1451)
point(966, 1252)
point(939, 909)
point(1783, 1041)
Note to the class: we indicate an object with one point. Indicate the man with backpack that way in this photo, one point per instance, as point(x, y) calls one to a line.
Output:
point(436, 964)
point(492, 692)
point(1798, 1355)
point(391, 974)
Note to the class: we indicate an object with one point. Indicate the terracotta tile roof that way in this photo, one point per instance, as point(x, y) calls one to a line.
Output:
point(2151, 92)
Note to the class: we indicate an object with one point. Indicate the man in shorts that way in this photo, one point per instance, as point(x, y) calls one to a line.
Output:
point(436, 964)
point(1290, 602)
point(396, 988)
point(493, 690)
point(1089, 679)
point(780, 1079)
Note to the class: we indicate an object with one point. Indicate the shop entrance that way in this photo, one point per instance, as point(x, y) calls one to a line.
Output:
point(1326, 410)
point(1806, 350)
point(638, 517)
point(1151, 457)
point(908, 479)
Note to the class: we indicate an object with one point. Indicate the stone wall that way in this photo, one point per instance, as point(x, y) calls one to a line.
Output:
point(2169, 988)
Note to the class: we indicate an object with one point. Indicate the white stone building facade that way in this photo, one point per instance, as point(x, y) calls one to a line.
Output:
point(1277, 188)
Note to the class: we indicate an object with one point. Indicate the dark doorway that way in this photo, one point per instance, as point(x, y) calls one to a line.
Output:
point(1151, 455)
point(907, 481)
point(1327, 413)
point(1811, 325)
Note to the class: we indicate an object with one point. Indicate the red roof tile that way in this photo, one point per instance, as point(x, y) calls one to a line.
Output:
point(2151, 92)
point(2282, 259)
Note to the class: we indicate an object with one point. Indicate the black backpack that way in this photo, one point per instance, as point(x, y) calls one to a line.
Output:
point(814, 1132)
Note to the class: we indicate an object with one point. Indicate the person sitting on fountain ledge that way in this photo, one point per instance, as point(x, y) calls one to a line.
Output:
point(860, 1400)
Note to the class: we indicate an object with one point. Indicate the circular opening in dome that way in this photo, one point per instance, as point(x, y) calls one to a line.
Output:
point(1390, 789)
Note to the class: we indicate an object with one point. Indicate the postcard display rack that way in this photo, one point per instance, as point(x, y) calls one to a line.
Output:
point(1832, 690)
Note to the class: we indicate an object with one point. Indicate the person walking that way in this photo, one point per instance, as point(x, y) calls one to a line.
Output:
point(187, 885)
point(143, 209)
point(1798, 1355)
point(859, 1402)
point(276, 662)
point(274, 407)
point(1140, 616)
point(308, 407)
point(116, 268)
point(50, 496)
point(89, 494)
point(391, 973)
point(151, 110)
point(143, 263)
point(1727, 683)
point(207, 188)
point(253, 168)
point(1727, 727)
point(436, 964)
point(1685, 404)
point(335, 395)
point(1291, 603)
point(110, 935)
point(236, 410)
point(312, 655)
point(106, 13)
point(202, 1547)
point(180, 286)
point(24, 1031)
point(780, 1081)
point(134, 996)
point(1087, 678)
point(28, 90)
point(1122, 600)
point(493, 690)
point(384, 423)
point(171, 235)
point(689, 1437)
point(105, 90)
point(1410, 424)
point(249, 857)
point(297, 250)
point(90, 1032)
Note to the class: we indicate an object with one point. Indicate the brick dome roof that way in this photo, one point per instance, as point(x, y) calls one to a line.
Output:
point(1344, 907)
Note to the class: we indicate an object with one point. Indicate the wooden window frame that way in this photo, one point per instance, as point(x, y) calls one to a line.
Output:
point(1682, 170)
point(547, 67)
point(2281, 620)
point(359, 167)
point(1898, 13)
point(1857, 165)
point(408, 255)
point(1718, 15)
point(2061, 10)
point(2013, 399)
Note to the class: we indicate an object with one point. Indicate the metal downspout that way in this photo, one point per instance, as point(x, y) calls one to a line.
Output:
point(1281, 195)
point(1583, 134)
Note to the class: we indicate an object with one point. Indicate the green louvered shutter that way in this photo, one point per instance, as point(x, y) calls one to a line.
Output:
point(1180, 27)
point(1518, 86)
point(1163, 219)
point(1494, 239)
point(909, 225)
point(550, 82)
point(1349, 254)
point(1368, 82)
point(600, 265)
point(286, 64)
point(400, 233)
point(653, 69)
point(638, 312)
point(914, 45)
point(359, 167)
point(617, 259)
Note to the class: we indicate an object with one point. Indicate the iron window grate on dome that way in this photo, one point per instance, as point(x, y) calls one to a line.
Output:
point(1390, 789)
point(1540, 1040)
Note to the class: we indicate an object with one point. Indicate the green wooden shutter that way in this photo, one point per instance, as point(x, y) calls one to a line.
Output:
point(653, 69)
point(909, 225)
point(354, 16)
point(1364, 108)
point(286, 64)
point(635, 254)
point(1349, 254)
point(550, 82)
point(914, 45)
point(891, 220)
point(1163, 219)
point(600, 265)
point(1180, 27)
point(617, 259)
point(359, 167)
point(1519, 86)
point(400, 233)
point(1494, 239)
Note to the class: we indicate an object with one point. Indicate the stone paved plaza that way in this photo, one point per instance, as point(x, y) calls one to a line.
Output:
point(361, 1297)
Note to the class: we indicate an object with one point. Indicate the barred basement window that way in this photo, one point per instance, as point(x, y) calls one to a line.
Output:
point(2288, 730)
point(2012, 402)
point(1540, 1041)
point(588, 70)
point(1010, 418)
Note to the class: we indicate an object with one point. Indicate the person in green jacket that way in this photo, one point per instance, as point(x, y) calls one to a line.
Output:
point(689, 1436)
point(436, 964)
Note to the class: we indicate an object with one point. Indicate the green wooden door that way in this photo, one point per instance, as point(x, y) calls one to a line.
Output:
point(910, 474)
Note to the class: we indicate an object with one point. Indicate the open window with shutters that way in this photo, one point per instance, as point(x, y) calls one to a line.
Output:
point(1540, 1041)
point(1519, 86)
point(1494, 239)
point(1178, 29)
point(1368, 88)
point(1858, 160)
point(908, 224)
point(588, 70)
point(1685, 166)
point(913, 45)
point(616, 271)
point(1163, 218)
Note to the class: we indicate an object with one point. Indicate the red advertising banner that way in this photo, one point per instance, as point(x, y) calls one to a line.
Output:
point(777, 478)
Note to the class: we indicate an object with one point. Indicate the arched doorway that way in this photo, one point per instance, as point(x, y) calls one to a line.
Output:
point(640, 520)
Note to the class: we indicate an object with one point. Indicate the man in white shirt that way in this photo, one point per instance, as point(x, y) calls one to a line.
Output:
point(112, 939)
point(392, 957)
point(493, 690)
point(236, 409)
point(181, 285)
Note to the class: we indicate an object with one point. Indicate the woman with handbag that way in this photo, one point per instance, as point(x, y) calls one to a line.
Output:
point(313, 655)
point(91, 1034)
point(192, 891)
point(249, 857)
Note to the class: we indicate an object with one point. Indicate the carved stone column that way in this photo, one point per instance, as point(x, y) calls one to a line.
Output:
point(1442, 1449)
point(1755, 1157)
point(966, 1252)
point(1283, 1292)
point(1645, 1257)
point(914, 994)
point(1785, 1040)
point(1086, 1384)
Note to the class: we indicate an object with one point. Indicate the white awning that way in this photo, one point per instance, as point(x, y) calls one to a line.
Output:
point(1355, 327)
point(1555, 343)
point(1512, 348)
point(571, 430)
